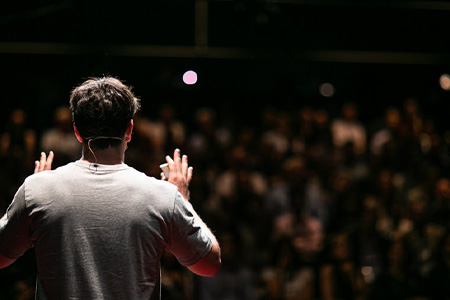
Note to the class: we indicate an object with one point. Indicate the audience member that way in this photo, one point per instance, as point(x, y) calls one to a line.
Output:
point(347, 129)
point(340, 277)
point(286, 277)
point(438, 286)
point(422, 242)
point(60, 138)
point(236, 279)
point(392, 283)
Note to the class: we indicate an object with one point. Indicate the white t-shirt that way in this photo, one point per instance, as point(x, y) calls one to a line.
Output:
point(99, 231)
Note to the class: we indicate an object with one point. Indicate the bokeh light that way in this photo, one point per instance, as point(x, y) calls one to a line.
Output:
point(190, 77)
point(326, 89)
point(445, 82)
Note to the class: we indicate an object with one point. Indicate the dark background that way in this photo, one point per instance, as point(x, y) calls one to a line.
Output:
point(248, 54)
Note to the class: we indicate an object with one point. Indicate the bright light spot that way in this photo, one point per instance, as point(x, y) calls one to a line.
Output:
point(326, 89)
point(190, 77)
point(445, 82)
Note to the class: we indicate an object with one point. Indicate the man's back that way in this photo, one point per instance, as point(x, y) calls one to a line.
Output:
point(99, 231)
point(98, 226)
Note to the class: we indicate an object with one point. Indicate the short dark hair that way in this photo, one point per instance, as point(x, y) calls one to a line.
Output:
point(102, 107)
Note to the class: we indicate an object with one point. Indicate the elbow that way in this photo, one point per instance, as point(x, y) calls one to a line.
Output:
point(209, 265)
point(217, 261)
point(5, 262)
point(214, 263)
point(214, 267)
point(214, 259)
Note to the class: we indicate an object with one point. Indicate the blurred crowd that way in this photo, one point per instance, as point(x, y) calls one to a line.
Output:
point(306, 204)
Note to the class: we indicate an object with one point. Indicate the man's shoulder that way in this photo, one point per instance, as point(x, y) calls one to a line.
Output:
point(50, 173)
point(151, 184)
point(47, 178)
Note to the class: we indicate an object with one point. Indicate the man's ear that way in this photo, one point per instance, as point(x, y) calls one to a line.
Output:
point(129, 131)
point(77, 134)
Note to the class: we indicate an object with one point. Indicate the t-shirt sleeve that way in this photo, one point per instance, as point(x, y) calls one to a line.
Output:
point(188, 241)
point(14, 228)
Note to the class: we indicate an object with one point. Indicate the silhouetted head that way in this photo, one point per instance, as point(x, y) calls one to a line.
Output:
point(102, 109)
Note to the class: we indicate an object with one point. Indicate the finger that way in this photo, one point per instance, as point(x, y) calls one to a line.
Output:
point(170, 161)
point(36, 167)
point(190, 171)
point(163, 177)
point(184, 165)
point(42, 161)
point(177, 159)
point(48, 164)
point(171, 165)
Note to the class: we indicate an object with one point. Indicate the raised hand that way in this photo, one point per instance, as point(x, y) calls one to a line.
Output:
point(180, 173)
point(45, 163)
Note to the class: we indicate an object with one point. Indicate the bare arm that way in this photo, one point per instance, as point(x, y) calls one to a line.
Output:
point(181, 175)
